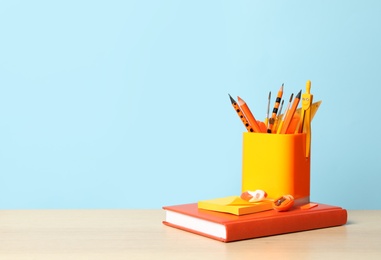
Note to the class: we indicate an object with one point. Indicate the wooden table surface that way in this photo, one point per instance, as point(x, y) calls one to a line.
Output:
point(140, 234)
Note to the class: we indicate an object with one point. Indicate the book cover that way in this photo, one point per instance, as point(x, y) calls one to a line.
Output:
point(234, 205)
point(228, 227)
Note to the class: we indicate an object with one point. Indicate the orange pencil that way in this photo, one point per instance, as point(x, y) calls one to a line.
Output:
point(275, 110)
point(250, 118)
point(290, 113)
point(282, 117)
point(241, 115)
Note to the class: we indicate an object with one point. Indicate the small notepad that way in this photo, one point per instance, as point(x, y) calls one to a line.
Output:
point(234, 205)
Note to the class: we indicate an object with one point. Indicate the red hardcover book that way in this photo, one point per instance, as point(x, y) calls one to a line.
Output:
point(228, 227)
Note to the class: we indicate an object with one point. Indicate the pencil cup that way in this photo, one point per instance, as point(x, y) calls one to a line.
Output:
point(277, 164)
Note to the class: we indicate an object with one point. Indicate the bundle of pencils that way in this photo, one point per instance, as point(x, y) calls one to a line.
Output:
point(294, 120)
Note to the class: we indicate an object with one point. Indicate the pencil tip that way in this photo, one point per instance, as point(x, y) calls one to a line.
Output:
point(292, 95)
point(231, 99)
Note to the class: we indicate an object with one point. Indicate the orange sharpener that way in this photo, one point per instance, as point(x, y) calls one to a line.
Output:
point(283, 203)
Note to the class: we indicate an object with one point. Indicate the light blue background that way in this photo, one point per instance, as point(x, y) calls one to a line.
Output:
point(124, 104)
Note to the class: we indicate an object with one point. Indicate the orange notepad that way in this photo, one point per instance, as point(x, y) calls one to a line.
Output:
point(227, 227)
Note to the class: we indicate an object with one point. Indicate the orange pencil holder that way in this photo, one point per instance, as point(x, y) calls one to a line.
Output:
point(276, 164)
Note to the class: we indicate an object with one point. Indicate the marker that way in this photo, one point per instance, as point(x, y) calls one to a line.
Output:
point(290, 113)
point(241, 115)
point(249, 116)
point(275, 109)
point(285, 114)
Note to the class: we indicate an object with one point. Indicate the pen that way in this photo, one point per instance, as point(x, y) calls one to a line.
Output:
point(290, 113)
point(275, 110)
point(249, 116)
point(241, 115)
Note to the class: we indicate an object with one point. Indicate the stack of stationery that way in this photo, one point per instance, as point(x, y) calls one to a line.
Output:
point(275, 185)
point(228, 227)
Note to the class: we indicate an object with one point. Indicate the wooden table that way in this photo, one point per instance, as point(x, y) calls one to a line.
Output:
point(139, 234)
